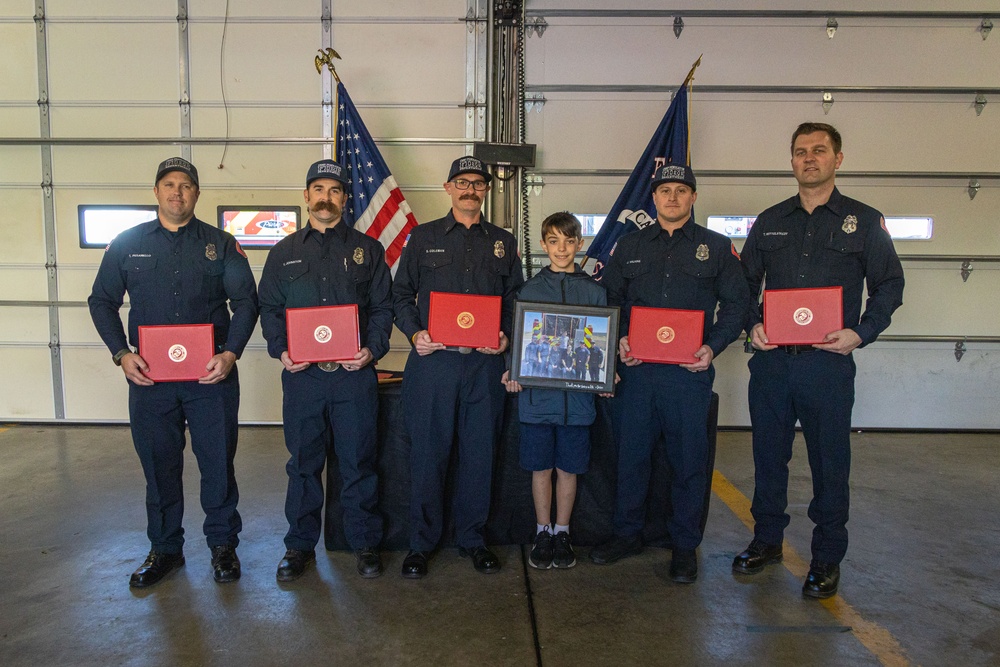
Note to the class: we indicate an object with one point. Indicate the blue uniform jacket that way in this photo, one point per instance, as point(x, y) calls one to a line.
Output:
point(694, 269)
point(193, 276)
point(341, 267)
point(554, 406)
point(444, 256)
point(842, 243)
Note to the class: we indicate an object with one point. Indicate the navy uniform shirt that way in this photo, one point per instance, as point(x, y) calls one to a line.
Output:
point(339, 267)
point(842, 242)
point(694, 269)
point(444, 256)
point(183, 277)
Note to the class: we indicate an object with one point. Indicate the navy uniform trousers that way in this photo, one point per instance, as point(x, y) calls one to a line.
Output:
point(446, 395)
point(316, 406)
point(157, 415)
point(817, 389)
point(655, 399)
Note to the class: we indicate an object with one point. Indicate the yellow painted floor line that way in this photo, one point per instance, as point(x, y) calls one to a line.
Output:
point(874, 637)
point(4, 428)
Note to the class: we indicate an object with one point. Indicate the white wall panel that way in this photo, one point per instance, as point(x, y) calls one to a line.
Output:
point(110, 9)
point(113, 61)
point(271, 62)
point(21, 166)
point(118, 121)
point(401, 63)
point(24, 241)
point(23, 324)
point(75, 326)
point(210, 121)
point(95, 389)
point(25, 375)
point(105, 165)
point(19, 76)
point(24, 283)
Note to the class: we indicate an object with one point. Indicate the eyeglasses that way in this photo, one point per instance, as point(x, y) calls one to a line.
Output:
point(463, 184)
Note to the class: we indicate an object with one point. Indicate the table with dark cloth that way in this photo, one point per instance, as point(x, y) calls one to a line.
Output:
point(512, 514)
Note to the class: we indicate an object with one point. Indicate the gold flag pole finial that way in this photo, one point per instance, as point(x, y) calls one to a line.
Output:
point(690, 77)
point(326, 58)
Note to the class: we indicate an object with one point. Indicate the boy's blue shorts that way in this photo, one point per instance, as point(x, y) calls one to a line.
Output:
point(545, 446)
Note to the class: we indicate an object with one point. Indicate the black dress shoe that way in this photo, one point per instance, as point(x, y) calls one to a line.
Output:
point(615, 549)
point(225, 564)
point(684, 566)
point(293, 565)
point(369, 562)
point(415, 565)
point(156, 566)
point(756, 557)
point(483, 559)
point(822, 581)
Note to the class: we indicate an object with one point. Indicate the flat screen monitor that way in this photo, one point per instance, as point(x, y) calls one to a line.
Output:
point(259, 226)
point(100, 223)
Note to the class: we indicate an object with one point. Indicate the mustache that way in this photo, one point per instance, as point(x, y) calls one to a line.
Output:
point(469, 196)
point(325, 206)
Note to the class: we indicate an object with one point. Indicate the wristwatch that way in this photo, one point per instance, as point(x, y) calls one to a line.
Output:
point(119, 355)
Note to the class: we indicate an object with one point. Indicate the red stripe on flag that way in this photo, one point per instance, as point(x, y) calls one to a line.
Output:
point(395, 249)
point(385, 214)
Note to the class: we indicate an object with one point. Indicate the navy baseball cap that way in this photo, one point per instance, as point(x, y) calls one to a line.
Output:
point(469, 165)
point(674, 173)
point(326, 169)
point(176, 164)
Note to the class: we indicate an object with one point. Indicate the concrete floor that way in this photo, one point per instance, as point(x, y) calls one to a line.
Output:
point(919, 583)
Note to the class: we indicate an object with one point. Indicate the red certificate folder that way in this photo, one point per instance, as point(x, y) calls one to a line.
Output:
point(464, 320)
point(802, 316)
point(665, 335)
point(177, 352)
point(324, 333)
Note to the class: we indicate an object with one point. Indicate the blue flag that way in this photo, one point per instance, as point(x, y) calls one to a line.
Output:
point(634, 207)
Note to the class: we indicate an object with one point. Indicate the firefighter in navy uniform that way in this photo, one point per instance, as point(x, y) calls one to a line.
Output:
point(180, 270)
point(446, 393)
point(329, 263)
point(818, 238)
point(672, 264)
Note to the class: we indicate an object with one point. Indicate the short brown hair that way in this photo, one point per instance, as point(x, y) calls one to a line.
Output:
point(563, 222)
point(809, 128)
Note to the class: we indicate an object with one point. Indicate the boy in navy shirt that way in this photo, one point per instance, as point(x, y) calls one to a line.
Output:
point(555, 424)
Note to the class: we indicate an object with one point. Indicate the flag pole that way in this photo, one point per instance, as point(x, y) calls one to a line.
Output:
point(689, 81)
point(326, 58)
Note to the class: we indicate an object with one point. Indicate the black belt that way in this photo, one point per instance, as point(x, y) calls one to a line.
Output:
point(797, 349)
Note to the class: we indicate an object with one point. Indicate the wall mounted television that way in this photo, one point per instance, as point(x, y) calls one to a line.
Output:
point(100, 223)
point(259, 226)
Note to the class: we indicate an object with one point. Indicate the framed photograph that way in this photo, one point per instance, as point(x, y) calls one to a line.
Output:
point(560, 346)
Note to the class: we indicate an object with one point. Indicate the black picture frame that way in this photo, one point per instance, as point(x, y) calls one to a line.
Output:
point(276, 220)
point(563, 327)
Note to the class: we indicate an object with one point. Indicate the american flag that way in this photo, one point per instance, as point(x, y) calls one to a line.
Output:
point(375, 204)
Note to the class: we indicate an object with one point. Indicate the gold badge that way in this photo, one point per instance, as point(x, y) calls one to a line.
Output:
point(850, 225)
point(466, 319)
point(359, 256)
point(498, 249)
point(702, 254)
point(665, 334)
point(210, 252)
